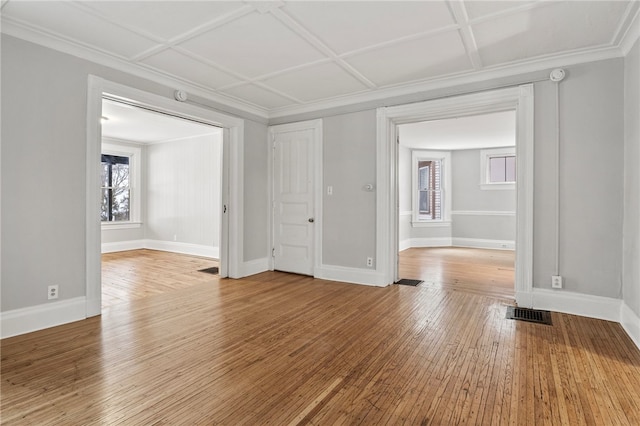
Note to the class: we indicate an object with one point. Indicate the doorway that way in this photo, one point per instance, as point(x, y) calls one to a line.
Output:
point(231, 241)
point(518, 98)
point(161, 190)
point(457, 202)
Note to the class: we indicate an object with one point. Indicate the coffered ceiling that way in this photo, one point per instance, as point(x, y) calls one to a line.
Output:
point(277, 57)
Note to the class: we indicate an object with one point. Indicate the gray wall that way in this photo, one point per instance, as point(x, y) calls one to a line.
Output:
point(591, 111)
point(349, 158)
point(256, 195)
point(44, 105)
point(631, 230)
point(183, 191)
point(467, 196)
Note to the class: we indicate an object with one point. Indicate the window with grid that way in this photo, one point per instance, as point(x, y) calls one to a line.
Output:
point(429, 190)
point(116, 189)
point(431, 179)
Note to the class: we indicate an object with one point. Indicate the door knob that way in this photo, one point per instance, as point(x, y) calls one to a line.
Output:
point(311, 220)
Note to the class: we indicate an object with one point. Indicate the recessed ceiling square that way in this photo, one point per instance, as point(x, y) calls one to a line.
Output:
point(253, 45)
point(349, 25)
point(551, 28)
point(329, 80)
point(413, 60)
point(164, 19)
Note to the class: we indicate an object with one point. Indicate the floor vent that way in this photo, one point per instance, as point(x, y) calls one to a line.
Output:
point(405, 281)
point(530, 315)
point(213, 270)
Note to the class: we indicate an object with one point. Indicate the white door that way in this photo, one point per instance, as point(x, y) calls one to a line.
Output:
point(294, 220)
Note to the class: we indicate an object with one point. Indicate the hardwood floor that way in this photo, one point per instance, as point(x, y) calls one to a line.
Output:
point(472, 270)
point(282, 349)
point(136, 274)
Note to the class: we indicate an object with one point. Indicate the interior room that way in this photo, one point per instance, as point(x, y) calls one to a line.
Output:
point(304, 322)
point(165, 197)
point(472, 191)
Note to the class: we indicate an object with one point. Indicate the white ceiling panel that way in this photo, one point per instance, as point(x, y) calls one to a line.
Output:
point(139, 125)
point(472, 132)
point(164, 19)
point(253, 45)
point(478, 9)
point(258, 96)
point(414, 60)
point(190, 69)
point(71, 22)
point(303, 83)
point(556, 27)
point(351, 25)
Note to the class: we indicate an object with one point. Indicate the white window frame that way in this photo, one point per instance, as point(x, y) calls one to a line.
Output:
point(445, 158)
point(485, 155)
point(134, 153)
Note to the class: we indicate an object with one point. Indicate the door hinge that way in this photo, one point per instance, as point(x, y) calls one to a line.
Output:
point(273, 252)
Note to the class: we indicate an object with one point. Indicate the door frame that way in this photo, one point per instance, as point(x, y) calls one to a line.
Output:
point(518, 98)
point(316, 126)
point(231, 248)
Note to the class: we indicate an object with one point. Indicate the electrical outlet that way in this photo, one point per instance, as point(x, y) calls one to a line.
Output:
point(52, 292)
point(369, 262)
point(556, 281)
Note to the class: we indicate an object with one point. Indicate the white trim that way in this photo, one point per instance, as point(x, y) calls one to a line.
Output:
point(485, 155)
point(112, 226)
point(446, 182)
point(183, 248)
point(350, 275)
point(39, 317)
point(117, 246)
point(430, 242)
point(316, 126)
point(483, 213)
point(632, 34)
point(252, 267)
point(519, 98)
point(406, 213)
point(235, 180)
point(432, 224)
point(134, 153)
point(484, 243)
point(630, 322)
point(585, 305)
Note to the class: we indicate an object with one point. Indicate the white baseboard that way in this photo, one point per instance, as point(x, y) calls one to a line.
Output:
point(483, 243)
point(33, 318)
point(123, 246)
point(585, 305)
point(170, 246)
point(631, 323)
point(404, 244)
point(430, 242)
point(256, 266)
point(184, 248)
point(350, 275)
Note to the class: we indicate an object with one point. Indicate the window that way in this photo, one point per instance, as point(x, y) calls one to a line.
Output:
point(116, 190)
point(431, 178)
point(120, 185)
point(498, 168)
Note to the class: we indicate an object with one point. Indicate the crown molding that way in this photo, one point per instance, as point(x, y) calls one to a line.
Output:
point(632, 34)
point(509, 70)
point(33, 34)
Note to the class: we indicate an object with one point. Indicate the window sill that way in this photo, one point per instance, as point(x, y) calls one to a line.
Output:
point(432, 224)
point(497, 186)
point(106, 226)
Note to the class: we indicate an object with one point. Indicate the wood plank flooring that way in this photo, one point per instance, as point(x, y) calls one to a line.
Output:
point(136, 274)
point(283, 349)
point(472, 270)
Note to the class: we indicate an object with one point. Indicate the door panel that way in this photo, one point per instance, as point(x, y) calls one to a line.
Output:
point(293, 206)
